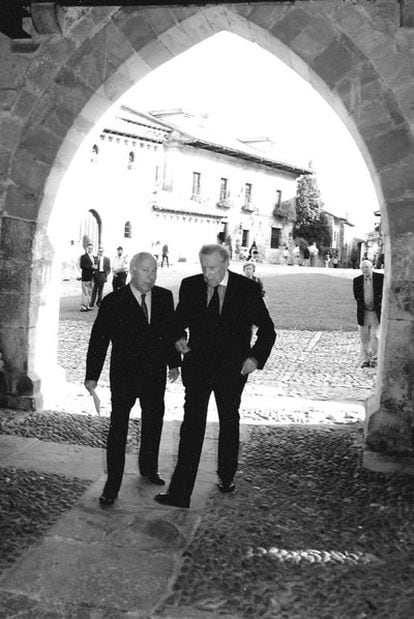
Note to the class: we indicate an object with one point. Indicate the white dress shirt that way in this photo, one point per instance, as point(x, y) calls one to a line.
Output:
point(148, 299)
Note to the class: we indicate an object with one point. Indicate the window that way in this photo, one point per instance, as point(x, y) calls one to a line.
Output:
point(245, 238)
point(196, 184)
point(127, 230)
point(95, 152)
point(275, 238)
point(247, 194)
point(278, 197)
point(223, 189)
point(131, 159)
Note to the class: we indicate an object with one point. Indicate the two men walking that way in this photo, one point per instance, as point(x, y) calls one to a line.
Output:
point(218, 309)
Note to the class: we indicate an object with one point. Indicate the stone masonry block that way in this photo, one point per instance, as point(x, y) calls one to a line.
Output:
point(41, 143)
point(60, 120)
point(40, 73)
point(291, 26)
point(335, 62)
point(15, 280)
point(24, 104)
point(373, 119)
point(197, 27)
point(402, 256)
point(263, 15)
point(12, 70)
point(159, 19)
point(73, 97)
point(135, 29)
point(7, 98)
point(405, 97)
point(184, 12)
point(58, 48)
point(391, 147)
point(314, 39)
point(21, 202)
point(401, 217)
point(397, 180)
point(155, 54)
point(10, 129)
point(175, 40)
point(28, 172)
point(401, 300)
point(5, 158)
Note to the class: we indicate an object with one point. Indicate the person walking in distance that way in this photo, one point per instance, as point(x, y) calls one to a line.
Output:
point(119, 269)
point(219, 309)
point(368, 295)
point(138, 319)
point(87, 266)
point(165, 253)
point(100, 275)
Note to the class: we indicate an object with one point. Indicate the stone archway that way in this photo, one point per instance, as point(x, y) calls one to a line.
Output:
point(355, 55)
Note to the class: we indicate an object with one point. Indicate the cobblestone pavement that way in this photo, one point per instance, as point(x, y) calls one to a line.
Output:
point(321, 367)
point(307, 370)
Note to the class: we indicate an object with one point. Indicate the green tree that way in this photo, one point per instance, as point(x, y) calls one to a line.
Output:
point(311, 224)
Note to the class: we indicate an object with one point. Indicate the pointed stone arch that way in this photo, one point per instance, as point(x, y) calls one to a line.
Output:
point(355, 56)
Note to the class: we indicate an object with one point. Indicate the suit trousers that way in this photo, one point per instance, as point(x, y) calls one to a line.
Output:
point(152, 413)
point(86, 293)
point(228, 396)
point(98, 287)
point(369, 336)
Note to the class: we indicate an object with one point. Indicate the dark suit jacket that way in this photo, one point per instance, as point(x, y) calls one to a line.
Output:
point(140, 351)
point(102, 276)
point(243, 307)
point(358, 286)
point(86, 261)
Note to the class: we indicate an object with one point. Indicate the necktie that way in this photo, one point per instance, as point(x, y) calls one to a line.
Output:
point(214, 305)
point(144, 307)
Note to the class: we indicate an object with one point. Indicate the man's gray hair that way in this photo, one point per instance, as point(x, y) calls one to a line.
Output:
point(366, 261)
point(139, 258)
point(215, 248)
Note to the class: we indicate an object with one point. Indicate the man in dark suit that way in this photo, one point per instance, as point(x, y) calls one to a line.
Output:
point(100, 275)
point(138, 320)
point(219, 308)
point(368, 295)
point(87, 266)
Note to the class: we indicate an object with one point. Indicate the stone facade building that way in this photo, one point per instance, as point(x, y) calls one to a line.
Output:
point(168, 177)
point(56, 84)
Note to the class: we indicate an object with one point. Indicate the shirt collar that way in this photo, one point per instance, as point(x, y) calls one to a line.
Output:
point(224, 282)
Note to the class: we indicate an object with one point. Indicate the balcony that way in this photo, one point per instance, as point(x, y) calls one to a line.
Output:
point(224, 204)
point(248, 207)
point(285, 210)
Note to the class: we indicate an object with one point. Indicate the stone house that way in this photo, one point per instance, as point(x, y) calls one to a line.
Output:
point(165, 177)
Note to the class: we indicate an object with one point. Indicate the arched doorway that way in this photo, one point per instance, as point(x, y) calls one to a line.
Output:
point(348, 53)
point(91, 229)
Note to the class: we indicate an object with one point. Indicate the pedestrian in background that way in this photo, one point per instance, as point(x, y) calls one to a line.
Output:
point(138, 319)
point(249, 269)
point(100, 276)
point(165, 252)
point(87, 264)
point(368, 295)
point(219, 309)
point(313, 254)
point(119, 269)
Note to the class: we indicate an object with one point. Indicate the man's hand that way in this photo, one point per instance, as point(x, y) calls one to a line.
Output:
point(249, 366)
point(182, 347)
point(173, 374)
point(91, 385)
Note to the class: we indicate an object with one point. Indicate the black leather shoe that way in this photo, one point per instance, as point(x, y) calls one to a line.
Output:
point(164, 498)
point(225, 487)
point(155, 478)
point(106, 501)
point(365, 364)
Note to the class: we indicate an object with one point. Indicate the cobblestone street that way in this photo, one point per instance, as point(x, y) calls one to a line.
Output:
point(308, 370)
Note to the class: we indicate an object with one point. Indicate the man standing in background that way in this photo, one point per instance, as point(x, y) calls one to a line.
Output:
point(119, 269)
point(100, 275)
point(87, 266)
point(368, 295)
